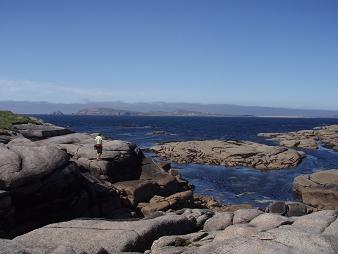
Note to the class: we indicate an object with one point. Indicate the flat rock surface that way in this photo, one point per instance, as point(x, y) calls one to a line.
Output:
point(319, 189)
point(230, 154)
point(307, 139)
point(91, 236)
point(41, 131)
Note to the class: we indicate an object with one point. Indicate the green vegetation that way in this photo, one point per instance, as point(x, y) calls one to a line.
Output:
point(7, 119)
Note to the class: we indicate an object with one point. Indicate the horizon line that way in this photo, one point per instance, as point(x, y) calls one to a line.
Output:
point(164, 102)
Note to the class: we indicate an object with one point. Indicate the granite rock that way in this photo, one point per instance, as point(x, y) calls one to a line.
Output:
point(230, 154)
point(319, 189)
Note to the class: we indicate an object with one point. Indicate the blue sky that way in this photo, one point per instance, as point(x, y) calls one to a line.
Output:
point(249, 52)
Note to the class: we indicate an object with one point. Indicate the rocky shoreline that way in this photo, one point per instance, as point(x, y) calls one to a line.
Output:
point(307, 139)
point(53, 190)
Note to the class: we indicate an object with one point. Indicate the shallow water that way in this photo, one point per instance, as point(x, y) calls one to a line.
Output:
point(230, 185)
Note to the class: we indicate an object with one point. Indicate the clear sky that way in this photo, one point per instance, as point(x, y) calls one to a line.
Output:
point(249, 52)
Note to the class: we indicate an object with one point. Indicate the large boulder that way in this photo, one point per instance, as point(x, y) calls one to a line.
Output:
point(120, 160)
point(319, 189)
point(230, 154)
point(91, 236)
point(237, 230)
point(268, 221)
point(168, 184)
point(138, 190)
point(245, 215)
point(316, 222)
point(40, 185)
point(219, 221)
point(175, 201)
point(23, 167)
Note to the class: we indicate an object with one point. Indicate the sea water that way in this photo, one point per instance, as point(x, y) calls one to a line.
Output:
point(229, 185)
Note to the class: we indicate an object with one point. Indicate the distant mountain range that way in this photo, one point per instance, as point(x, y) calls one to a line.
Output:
point(118, 112)
point(161, 108)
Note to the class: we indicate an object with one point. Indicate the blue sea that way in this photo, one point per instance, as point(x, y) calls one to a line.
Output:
point(228, 185)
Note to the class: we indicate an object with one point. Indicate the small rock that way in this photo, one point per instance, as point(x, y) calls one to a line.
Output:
point(278, 207)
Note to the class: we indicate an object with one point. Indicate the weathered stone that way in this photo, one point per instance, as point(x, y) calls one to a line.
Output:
point(230, 154)
point(21, 141)
point(176, 240)
point(332, 229)
point(237, 230)
point(245, 215)
point(73, 138)
point(277, 241)
point(158, 203)
point(297, 209)
point(138, 190)
point(278, 207)
point(22, 165)
point(200, 215)
point(247, 238)
point(113, 236)
point(168, 183)
point(315, 222)
point(329, 136)
point(200, 221)
point(4, 139)
point(319, 189)
point(34, 131)
point(9, 247)
point(218, 222)
point(307, 139)
point(268, 221)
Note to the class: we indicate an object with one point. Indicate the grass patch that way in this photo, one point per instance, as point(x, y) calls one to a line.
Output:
point(8, 119)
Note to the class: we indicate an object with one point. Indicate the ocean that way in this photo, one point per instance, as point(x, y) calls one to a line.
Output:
point(228, 185)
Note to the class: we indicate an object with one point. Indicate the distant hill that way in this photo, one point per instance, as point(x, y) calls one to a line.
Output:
point(105, 112)
point(118, 112)
point(150, 108)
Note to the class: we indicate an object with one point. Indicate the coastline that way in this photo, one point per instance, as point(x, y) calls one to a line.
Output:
point(142, 189)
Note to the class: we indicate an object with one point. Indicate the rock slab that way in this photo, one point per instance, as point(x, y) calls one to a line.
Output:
point(92, 236)
point(319, 189)
point(230, 154)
